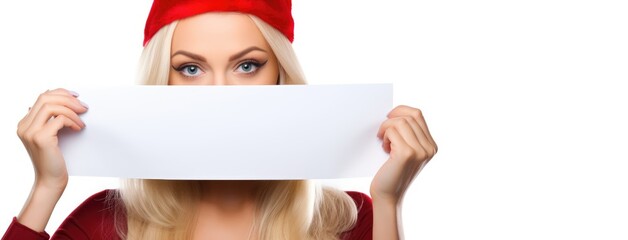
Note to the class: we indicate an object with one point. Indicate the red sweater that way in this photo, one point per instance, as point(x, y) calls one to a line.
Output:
point(93, 219)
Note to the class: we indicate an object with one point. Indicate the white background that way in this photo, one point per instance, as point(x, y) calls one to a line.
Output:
point(526, 100)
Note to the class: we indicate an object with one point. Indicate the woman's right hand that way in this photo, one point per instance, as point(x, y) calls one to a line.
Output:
point(38, 130)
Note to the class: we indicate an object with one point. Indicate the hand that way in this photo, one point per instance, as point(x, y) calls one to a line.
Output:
point(38, 130)
point(408, 141)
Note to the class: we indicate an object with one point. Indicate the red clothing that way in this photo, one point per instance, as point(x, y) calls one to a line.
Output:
point(93, 219)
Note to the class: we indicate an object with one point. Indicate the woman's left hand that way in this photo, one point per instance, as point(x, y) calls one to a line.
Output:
point(408, 141)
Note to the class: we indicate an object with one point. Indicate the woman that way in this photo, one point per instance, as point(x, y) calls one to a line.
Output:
point(223, 43)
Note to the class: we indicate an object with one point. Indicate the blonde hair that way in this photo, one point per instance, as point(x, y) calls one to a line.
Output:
point(288, 209)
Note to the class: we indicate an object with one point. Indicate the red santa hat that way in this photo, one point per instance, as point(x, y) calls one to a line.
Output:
point(276, 13)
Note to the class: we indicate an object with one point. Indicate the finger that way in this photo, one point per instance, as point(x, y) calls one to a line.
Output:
point(422, 148)
point(56, 124)
point(403, 127)
point(60, 99)
point(402, 152)
point(398, 147)
point(48, 111)
point(382, 128)
point(427, 144)
point(421, 122)
point(54, 99)
point(399, 111)
point(63, 91)
point(415, 113)
point(391, 121)
point(58, 91)
point(386, 143)
point(47, 134)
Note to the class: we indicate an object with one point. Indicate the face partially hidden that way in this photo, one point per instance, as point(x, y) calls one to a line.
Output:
point(221, 49)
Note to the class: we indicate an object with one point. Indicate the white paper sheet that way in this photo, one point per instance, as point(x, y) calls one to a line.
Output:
point(230, 132)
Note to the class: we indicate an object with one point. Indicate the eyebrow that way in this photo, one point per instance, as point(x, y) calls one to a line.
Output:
point(190, 55)
point(244, 52)
point(202, 59)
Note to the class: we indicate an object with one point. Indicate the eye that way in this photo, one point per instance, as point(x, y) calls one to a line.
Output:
point(190, 70)
point(248, 67)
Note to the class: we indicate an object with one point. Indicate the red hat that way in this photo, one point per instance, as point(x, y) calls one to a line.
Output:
point(276, 13)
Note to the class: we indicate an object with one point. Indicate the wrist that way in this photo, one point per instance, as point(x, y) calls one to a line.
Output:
point(39, 205)
point(385, 199)
point(47, 189)
point(387, 204)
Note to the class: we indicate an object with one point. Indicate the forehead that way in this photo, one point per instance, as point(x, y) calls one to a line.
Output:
point(217, 30)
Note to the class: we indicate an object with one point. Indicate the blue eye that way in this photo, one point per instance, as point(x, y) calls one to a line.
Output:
point(190, 71)
point(248, 67)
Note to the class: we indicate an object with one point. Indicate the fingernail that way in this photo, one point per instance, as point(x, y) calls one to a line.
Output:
point(75, 94)
point(84, 104)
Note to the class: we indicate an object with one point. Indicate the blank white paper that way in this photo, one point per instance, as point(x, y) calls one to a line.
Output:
point(229, 132)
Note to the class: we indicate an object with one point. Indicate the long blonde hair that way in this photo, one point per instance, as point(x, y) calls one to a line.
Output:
point(288, 209)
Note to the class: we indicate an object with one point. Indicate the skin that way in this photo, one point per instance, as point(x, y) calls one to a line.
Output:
point(239, 56)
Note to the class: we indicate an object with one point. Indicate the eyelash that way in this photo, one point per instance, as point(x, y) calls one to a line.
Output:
point(184, 66)
point(253, 62)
